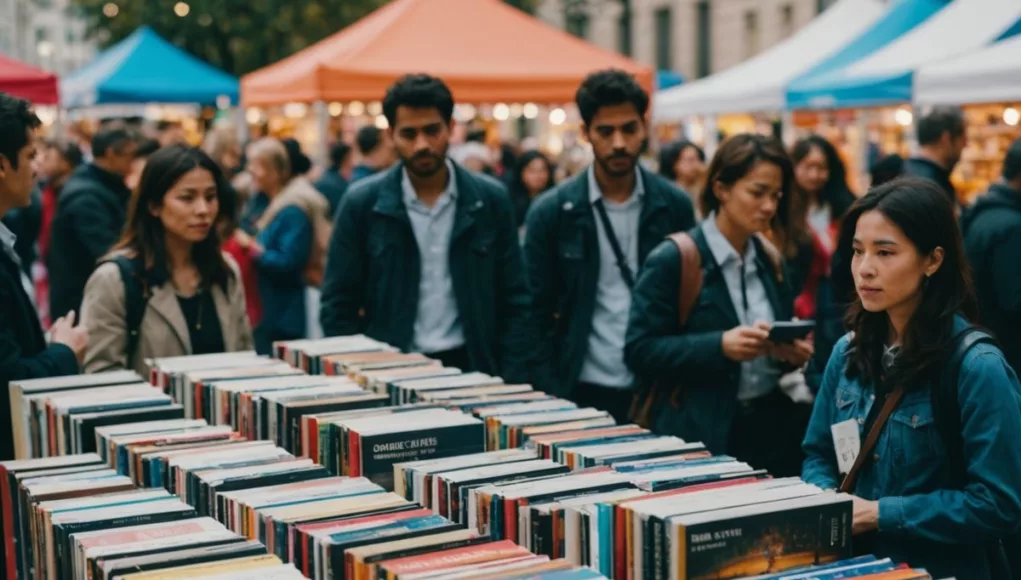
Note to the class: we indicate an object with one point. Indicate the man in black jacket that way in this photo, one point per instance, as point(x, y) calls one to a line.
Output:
point(585, 242)
point(24, 353)
point(425, 256)
point(90, 216)
point(992, 242)
point(941, 141)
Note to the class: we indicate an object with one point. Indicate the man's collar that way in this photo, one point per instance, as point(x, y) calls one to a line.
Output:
point(595, 193)
point(408, 189)
point(7, 237)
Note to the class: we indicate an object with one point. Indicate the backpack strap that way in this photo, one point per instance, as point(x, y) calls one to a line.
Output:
point(946, 406)
point(136, 297)
point(691, 275)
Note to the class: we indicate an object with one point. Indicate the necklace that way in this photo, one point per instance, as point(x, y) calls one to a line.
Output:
point(198, 319)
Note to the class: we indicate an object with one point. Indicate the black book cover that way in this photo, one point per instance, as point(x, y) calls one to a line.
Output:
point(308, 541)
point(766, 543)
point(87, 431)
point(380, 452)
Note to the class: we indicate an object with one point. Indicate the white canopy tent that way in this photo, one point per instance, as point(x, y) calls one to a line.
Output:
point(988, 75)
point(759, 84)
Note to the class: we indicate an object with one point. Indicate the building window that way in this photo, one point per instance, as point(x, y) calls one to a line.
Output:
point(704, 24)
point(786, 20)
point(751, 33)
point(44, 4)
point(69, 36)
point(664, 46)
point(821, 5)
point(577, 24)
point(41, 35)
point(624, 33)
point(5, 39)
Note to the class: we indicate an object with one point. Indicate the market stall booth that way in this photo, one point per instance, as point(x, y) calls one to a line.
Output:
point(142, 72)
point(488, 53)
point(988, 82)
point(750, 96)
point(879, 83)
point(27, 82)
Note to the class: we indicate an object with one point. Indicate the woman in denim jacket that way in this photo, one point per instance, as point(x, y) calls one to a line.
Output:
point(913, 293)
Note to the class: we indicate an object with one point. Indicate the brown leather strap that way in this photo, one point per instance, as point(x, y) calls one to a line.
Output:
point(865, 454)
point(691, 275)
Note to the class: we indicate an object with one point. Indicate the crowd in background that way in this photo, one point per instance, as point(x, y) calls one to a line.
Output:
point(646, 289)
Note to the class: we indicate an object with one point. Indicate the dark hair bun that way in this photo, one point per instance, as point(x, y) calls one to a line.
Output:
point(300, 163)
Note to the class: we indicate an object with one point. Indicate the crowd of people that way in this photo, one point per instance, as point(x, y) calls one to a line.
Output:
point(651, 295)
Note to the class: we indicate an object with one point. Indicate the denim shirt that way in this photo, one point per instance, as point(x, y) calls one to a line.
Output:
point(923, 520)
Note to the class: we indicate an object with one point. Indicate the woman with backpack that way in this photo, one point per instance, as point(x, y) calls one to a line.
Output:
point(289, 249)
point(929, 402)
point(166, 289)
point(701, 312)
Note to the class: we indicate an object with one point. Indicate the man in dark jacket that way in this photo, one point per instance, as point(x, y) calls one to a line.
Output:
point(376, 150)
point(425, 256)
point(941, 141)
point(334, 181)
point(24, 353)
point(90, 216)
point(580, 270)
point(992, 242)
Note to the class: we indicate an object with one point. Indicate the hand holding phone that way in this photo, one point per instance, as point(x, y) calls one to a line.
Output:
point(789, 331)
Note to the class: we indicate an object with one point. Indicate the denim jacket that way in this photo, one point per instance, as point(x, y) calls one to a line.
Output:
point(923, 520)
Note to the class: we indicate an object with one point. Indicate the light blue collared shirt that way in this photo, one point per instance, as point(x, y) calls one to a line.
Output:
point(604, 362)
point(438, 322)
point(760, 376)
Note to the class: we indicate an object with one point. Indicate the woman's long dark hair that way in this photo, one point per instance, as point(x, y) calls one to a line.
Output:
point(736, 158)
point(669, 155)
point(144, 236)
point(516, 185)
point(924, 214)
point(835, 192)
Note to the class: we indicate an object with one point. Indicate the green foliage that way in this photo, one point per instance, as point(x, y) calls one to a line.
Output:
point(238, 36)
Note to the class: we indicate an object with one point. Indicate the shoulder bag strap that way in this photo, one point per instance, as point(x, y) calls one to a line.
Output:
point(135, 300)
point(691, 275)
point(865, 453)
point(618, 254)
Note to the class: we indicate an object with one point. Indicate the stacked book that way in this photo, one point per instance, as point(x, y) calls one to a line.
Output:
point(510, 413)
point(59, 416)
point(75, 518)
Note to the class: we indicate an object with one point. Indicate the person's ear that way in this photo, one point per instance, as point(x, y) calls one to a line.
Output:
point(934, 261)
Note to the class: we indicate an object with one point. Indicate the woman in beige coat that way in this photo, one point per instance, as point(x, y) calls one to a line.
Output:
point(193, 299)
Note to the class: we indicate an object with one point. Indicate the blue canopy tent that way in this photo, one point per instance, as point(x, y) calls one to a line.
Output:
point(146, 68)
point(878, 68)
point(666, 79)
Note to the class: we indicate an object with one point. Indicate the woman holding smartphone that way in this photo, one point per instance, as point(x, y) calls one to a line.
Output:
point(717, 373)
point(937, 418)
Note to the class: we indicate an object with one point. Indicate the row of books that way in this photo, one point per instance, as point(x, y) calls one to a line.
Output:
point(74, 517)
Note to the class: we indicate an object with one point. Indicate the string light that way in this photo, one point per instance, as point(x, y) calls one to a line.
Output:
point(557, 116)
point(356, 108)
point(530, 110)
point(335, 109)
point(1011, 116)
point(501, 112)
point(904, 117)
point(182, 9)
point(111, 10)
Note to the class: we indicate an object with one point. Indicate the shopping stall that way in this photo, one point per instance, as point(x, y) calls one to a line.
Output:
point(495, 58)
point(988, 83)
point(749, 96)
point(874, 75)
point(27, 82)
point(146, 75)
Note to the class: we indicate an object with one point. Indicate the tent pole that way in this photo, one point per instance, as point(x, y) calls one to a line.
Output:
point(787, 128)
point(862, 153)
point(322, 117)
point(712, 137)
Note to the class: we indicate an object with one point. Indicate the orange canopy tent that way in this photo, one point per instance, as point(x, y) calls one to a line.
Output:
point(27, 82)
point(485, 50)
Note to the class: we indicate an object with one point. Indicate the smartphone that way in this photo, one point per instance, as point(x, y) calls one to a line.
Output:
point(789, 331)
